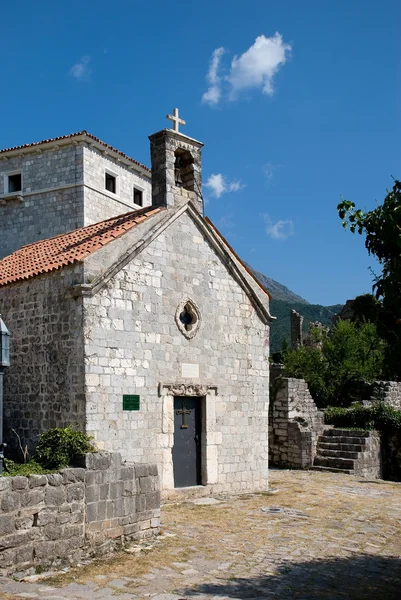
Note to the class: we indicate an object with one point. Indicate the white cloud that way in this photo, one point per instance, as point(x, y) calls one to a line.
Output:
point(213, 94)
point(219, 185)
point(254, 69)
point(279, 230)
point(268, 170)
point(81, 69)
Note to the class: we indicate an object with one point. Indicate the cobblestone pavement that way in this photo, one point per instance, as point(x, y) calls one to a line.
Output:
point(320, 537)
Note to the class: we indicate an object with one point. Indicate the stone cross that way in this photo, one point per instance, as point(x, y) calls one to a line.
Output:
point(176, 120)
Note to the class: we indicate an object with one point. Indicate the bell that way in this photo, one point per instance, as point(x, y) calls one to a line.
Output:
point(177, 171)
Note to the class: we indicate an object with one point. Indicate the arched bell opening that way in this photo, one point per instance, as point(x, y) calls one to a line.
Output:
point(184, 170)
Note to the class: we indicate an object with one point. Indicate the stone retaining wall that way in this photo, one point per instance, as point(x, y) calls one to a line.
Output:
point(388, 392)
point(61, 518)
point(295, 423)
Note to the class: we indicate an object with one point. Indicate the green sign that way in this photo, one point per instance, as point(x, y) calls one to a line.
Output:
point(131, 402)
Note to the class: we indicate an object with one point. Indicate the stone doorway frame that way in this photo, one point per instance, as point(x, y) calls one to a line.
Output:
point(210, 438)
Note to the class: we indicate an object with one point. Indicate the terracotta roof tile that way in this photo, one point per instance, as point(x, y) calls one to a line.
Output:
point(73, 135)
point(68, 248)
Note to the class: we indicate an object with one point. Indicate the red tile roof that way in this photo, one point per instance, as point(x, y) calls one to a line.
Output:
point(68, 248)
point(73, 135)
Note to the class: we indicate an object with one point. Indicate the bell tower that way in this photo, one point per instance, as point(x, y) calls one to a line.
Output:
point(176, 167)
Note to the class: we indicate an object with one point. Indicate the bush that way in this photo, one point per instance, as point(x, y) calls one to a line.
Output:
point(349, 353)
point(379, 416)
point(29, 468)
point(60, 447)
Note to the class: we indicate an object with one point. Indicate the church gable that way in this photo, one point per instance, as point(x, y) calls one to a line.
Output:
point(176, 329)
point(106, 263)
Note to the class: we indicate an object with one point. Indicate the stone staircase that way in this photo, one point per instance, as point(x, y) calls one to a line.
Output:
point(348, 451)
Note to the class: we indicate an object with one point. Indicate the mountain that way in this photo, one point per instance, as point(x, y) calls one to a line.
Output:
point(277, 290)
point(282, 302)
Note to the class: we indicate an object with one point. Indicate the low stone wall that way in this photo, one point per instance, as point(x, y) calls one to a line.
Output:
point(295, 424)
point(61, 518)
point(388, 392)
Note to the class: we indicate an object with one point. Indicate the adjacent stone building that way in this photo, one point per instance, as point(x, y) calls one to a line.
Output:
point(142, 328)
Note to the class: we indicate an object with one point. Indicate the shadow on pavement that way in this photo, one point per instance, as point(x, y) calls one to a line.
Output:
point(361, 577)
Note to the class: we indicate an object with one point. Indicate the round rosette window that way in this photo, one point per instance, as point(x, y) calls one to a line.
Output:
point(187, 317)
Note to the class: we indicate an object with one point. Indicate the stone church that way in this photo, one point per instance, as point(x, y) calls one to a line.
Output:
point(131, 317)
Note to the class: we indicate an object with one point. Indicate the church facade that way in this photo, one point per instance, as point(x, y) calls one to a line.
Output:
point(143, 329)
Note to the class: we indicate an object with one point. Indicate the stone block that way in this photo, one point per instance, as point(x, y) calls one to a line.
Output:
point(153, 470)
point(75, 491)
point(98, 461)
point(19, 538)
point(7, 524)
point(53, 532)
point(91, 512)
point(141, 503)
point(24, 522)
point(19, 483)
point(110, 509)
point(37, 480)
point(116, 460)
point(5, 484)
point(131, 528)
point(145, 484)
point(44, 552)
point(74, 530)
point(152, 500)
point(67, 548)
point(8, 558)
point(104, 491)
point(55, 496)
point(45, 517)
point(116, 490)
point(32, 497)
point(127, 473)
point(119, 507)
point(24, 555)
point(92, 494)
point(73, 475)
point(10, 502)
point(90, 478)
point(129, 488)
point(101, 510)
point(144, 524)
point(55, 479)
point(141, 470)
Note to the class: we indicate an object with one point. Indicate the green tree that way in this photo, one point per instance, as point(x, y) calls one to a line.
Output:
point(348, 354)
point(382, 229)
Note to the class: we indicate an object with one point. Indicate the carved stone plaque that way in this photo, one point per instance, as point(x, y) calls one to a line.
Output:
point(190, 371)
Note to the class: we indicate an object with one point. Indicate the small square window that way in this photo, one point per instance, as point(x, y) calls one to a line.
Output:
point(110, 183)
point(138, 197)
point(14, 183)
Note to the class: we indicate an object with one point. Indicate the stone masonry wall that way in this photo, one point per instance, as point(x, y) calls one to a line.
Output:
point(388, 392)
point(52, 197)
point(101, 204)
point(63, 189)
point(133, 344)
point(44, 386)
point(295, 424)
point(163, 146)
point(60, 518)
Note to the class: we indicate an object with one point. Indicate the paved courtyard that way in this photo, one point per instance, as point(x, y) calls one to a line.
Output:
point(320, 537)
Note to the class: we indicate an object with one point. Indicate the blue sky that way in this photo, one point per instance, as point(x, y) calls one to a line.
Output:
point(296, 102)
